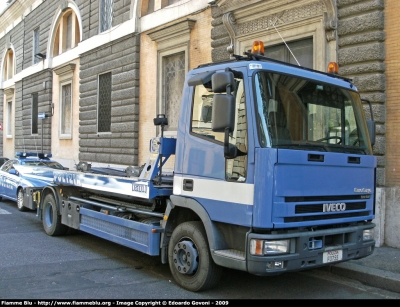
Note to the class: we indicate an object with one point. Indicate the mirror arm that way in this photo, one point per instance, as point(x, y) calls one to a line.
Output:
point(230, 151)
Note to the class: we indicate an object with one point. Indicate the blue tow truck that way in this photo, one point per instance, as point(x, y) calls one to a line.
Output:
point(273, 172)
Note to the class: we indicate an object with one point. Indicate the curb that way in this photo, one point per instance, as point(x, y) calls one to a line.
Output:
point(368, 276)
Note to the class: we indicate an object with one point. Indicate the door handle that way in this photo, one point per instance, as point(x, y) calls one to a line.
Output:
point(188, 184)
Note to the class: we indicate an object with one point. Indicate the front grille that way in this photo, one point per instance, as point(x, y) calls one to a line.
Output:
point(324, 217)
point(299, 199)
point(317, 208)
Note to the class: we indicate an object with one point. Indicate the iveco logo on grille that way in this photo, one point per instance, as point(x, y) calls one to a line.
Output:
point(334, 207)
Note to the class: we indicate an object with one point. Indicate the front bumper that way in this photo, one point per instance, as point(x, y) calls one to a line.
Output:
point(303, 254)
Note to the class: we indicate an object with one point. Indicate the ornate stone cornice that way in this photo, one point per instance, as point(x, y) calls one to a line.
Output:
point(330, 28)
point(245, 19)
point(288, 16)
point(9, 91)
point(330, 20)
point(65, 70)
point(13, 14)
point(172, 31)
point(229, 22)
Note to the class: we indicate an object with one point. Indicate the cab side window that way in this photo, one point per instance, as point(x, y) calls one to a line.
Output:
point(201, 114)
point(235, 169)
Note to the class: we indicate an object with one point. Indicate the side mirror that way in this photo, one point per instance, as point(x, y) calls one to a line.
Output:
point(223, 111)
point(13, 171)
point(223, 115)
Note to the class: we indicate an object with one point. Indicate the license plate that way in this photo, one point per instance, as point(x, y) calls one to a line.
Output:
point(332, 256)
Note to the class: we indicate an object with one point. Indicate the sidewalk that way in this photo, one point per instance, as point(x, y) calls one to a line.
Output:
point(381, 269)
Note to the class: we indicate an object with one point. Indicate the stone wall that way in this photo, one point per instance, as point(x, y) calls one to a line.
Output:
point(121, 11)
point(90, 15)
point(19, 138)
point(15, 38)
point(361, 55)
point(219, 36)
point(24, 140)
point(392, 212)
point(121, 58)
point(1, 121)
point(2, 47)
point(32, 21)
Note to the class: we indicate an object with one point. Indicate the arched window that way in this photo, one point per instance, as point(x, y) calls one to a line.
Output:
point(151, 6)
point(8, 68)
point(67, 33)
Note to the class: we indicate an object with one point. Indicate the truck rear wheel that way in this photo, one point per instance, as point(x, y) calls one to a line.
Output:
point(51, 217)
point(189, 258)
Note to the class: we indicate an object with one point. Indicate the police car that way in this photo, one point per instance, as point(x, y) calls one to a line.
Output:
point(26, 170)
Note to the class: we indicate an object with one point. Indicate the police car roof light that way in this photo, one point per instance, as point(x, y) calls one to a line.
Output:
point(21, 154)
point(44, 155)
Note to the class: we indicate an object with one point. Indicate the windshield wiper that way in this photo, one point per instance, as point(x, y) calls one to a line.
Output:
point(302, 145)
point(326, 148)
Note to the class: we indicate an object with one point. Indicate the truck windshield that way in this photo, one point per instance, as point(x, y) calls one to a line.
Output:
point(303, 114)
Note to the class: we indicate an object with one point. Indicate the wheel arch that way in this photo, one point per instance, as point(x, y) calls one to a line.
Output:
point(49, 190)
point(182, 209)
point(20, 187)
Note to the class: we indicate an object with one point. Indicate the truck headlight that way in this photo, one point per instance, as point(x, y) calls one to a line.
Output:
point(368, 234)
point(268, 247)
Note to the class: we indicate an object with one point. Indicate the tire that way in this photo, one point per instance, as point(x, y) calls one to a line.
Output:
point(51, 217)
point(20, 200)
point(189, 242)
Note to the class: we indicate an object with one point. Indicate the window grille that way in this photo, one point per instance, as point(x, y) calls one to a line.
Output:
point(35, 113)
point(173, 79)
point(67, 34)
point(106, 12)
point(36, 37)
point(104, 107)
point(303, 49)
point(68, 43)
point(9, 117)
point(66, 108)
point(8, 68)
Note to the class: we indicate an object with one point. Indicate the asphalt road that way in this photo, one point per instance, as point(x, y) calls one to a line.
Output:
point(81, 266)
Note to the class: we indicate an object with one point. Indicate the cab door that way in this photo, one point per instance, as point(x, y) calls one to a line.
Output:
point(223, 186)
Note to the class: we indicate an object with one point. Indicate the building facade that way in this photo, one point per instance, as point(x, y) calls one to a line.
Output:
point(392, 123)
point(84, 79)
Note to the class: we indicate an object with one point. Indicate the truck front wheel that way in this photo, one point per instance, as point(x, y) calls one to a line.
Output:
point(189, 258)
point(51, 217)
